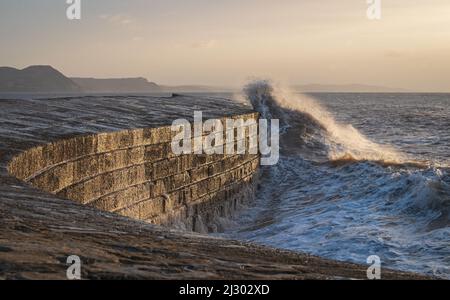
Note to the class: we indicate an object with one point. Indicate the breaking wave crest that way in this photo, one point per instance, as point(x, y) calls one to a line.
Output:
point(337, 194)
point(316, 127)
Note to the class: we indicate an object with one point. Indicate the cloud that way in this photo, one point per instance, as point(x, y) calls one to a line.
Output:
point(206, 44)
point(137, 38)
point(120, 19)
point(394, 54)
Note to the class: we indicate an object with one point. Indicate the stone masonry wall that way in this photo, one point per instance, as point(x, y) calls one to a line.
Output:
point(135, 174)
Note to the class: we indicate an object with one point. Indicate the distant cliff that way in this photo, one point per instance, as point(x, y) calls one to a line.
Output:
point(35, 79)
point(46, 79)
point(198, 89)
point(346, 88)
point(116, 85)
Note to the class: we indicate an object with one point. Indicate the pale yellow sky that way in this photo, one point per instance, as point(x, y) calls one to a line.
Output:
point(224, 42)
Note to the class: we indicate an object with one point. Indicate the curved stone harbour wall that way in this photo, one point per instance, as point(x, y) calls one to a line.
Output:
point(135, 174)
point(53, 150)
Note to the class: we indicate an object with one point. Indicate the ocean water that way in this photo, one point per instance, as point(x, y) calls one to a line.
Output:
point(359, 175)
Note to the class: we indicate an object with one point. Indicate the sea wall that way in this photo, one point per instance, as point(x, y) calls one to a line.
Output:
point(134, 173)
point(78, 174)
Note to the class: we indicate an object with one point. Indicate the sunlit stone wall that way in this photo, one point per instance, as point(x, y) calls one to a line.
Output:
point(135, 174)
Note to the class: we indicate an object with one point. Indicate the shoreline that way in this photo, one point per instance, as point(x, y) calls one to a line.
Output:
point(40, 230)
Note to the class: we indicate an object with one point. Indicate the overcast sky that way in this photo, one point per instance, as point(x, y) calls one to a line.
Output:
point(224, 42)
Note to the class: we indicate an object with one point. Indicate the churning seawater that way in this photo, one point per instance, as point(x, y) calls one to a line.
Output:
point(359, 175)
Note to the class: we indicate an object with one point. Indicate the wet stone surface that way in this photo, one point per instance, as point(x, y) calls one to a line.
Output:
point(40, 230)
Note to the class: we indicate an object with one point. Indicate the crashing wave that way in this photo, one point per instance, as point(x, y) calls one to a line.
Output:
point(315, 126)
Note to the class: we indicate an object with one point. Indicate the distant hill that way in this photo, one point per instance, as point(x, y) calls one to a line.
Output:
point(197, 89)
point(46, 79)
point(325, 88)
point(347, 88)
point(117, 85)
point(35, 79)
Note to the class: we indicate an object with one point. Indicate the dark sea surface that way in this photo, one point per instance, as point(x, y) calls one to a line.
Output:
point(359, 175)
